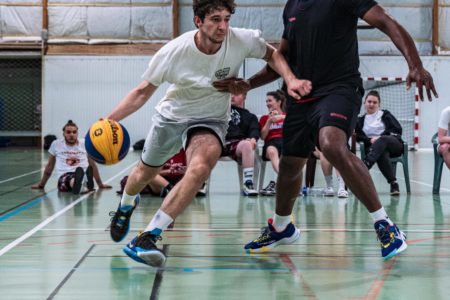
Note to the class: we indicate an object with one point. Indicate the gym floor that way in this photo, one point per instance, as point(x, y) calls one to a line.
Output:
point(57, 246)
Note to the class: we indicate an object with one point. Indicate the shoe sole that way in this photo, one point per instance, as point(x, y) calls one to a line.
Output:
point(395, 193)
point(153, 258)
point(396, 251)
point(250, 194)
point(343, 196)
point(78, 181)
point(286, 241)
point(90, 179)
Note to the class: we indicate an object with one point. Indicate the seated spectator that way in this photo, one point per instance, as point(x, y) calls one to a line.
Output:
point(240, 141)
point(73, 166)
point(170, 173)
point(271, 128)
point(444, 135)
point(381, 133)
point(327, 170)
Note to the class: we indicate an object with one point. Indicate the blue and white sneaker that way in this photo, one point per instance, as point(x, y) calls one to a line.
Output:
point(270, 238)
point(120, 221)
point(393, 241)
point(143, 249)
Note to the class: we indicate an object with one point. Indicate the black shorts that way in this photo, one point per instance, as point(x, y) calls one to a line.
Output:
point(275, 142)
point(305, 119)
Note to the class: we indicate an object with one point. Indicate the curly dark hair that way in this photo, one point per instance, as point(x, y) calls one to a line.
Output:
point(203, 7)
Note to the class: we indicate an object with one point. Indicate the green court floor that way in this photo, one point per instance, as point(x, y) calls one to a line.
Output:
point(57, 246)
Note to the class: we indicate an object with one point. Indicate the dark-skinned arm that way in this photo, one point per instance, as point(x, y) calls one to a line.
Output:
point(379, 18)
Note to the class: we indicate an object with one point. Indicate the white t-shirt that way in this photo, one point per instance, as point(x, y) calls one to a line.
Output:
point(373, 126)
point(444, 120)
point(191, 73)
point(68, 158)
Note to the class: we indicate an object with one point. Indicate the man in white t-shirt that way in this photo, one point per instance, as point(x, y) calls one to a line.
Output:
point(444, 135)
point(72, 164)
point(193, 114)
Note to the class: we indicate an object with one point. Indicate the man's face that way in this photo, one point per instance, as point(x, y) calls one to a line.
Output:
point(71, 135)
point(215, 25)
point(238, 100)
point(372, 104)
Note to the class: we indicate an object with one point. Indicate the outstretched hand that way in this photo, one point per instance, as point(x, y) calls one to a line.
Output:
point(422, 78)
point(232, 85)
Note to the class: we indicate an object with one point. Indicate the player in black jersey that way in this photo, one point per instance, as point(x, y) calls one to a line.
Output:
point(320, 44)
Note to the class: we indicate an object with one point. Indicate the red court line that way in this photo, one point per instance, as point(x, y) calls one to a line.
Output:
point(412, 242)
point(377, 286)
point(286, 259)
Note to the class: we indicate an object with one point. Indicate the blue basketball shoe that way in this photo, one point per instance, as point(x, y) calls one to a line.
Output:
point(270, 238)
point(393, 241)
point(143, 249)
point(120, 221)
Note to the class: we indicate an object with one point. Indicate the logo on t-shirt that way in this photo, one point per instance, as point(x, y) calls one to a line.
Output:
point(235, 117)
point(222, 73)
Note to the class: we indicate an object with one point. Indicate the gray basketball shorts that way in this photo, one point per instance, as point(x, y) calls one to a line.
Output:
point(166, 137)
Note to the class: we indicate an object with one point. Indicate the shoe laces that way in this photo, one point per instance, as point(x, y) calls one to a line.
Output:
point(385, 236)
point(146, 240)
point(119, 216)
point(249, 185)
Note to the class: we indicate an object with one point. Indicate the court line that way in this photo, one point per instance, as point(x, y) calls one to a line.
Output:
point(159, 274)
point(22, 208)
point(377, 286)
point(25, 174)
point(60, 285)
point(254, 230)
point(416, 181)
point(44, 223)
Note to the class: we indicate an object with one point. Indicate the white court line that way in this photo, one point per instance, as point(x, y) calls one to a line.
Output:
point(419, 182)
point(29, 173)
point(19, 240)
point(256, 229)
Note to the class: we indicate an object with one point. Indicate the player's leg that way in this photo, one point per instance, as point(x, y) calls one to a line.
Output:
point(203, 149)
point(336, 125)
point(271, 153)
point(297, 145)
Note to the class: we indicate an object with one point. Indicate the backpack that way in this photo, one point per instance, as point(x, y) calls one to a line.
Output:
point(48, 140)
point(139, 145)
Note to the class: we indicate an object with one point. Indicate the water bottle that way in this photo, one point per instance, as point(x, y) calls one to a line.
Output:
point(315, 191)
point(305, 191)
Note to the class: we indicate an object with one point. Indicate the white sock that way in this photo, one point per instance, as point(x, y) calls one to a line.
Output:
point(159, 223)
point(341, 183)
point(380, 215)
point(329, 181)
point(247, 174)
point(280, 222)
point(127, 201)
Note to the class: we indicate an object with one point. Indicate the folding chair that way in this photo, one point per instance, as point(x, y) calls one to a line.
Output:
point(403, 159)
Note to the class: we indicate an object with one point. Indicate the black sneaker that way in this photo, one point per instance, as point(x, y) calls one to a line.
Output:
point(395, 191)
point(90, 178)
point(202, 191)
point(143, 249)
point(78, 181)
point(248, 189)
point(120, 221)
point(269, 190)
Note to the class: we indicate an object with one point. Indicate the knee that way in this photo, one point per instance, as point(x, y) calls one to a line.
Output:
point(292, 167)
point(271, 152)
point(200, 171)
point(331, 150)
point(245, 146)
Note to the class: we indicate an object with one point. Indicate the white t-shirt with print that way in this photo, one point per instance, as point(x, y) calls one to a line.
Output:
point(191, 73)
point(373, 126)
point(444, 120)
point(68, 158)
